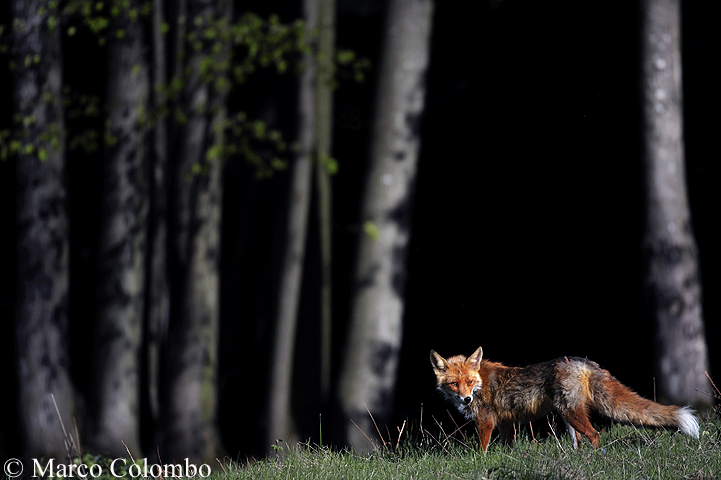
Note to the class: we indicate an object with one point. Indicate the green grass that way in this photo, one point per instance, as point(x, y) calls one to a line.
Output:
point(626, 453)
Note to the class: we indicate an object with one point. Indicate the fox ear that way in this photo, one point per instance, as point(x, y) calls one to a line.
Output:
point(474, 361)
point(439, 363)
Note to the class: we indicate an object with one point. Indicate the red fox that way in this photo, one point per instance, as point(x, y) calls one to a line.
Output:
point(495, 395)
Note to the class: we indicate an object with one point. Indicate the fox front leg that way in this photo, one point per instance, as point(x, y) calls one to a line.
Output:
point(485, 427)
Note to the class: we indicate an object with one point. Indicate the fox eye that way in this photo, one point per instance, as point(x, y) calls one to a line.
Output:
point(453, 384)
point(470, 382)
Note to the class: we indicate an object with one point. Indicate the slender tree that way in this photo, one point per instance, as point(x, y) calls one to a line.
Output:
point(123, 242)
point(315, 107)
point(42, 253)
point(158, 284)
point(672, 276)
point(279, 415)
point(189, 409)
point(324, 134)
point(369, 373)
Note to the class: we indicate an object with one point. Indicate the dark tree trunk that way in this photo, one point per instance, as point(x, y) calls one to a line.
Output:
point(672, 278)
point(123, 245)
point(189, 427)
point(42, 235)
point(280, 422)
point(158, 282)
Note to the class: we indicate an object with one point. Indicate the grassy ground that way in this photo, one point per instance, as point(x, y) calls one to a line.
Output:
point(626, 453)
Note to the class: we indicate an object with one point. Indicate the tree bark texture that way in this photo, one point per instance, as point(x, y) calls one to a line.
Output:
point(672, 278)
point(123, 245)
point(191, 362)
point(42, 236)
point(369, 373)
point(280, 422)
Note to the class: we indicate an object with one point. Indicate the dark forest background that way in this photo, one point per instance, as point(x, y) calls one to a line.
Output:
point(527, 214)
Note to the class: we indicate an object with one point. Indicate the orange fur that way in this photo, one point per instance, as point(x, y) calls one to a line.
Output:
point(494, 395)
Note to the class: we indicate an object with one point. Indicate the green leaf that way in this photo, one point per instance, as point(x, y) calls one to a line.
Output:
point(344, 57)
point(371, 230)
point(42, 154)
point(259, 127)
point(279, 164)
point(214, 153)
point(331, 165)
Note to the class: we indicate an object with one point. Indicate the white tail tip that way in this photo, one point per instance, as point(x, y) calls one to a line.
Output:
point(687, 422)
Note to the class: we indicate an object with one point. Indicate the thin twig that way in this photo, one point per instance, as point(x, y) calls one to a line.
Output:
point(718, 392)
point(68, 440)
point(553, 431)
point(376, 425)
point(458, 429)
point(128, 450)
point(62, 424)
point(533, 437)
point(77, 442)
point(444, 433)
point(400, 432)
point(364, 434)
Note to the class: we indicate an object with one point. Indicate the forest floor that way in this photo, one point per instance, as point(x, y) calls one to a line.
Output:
point(626, 453)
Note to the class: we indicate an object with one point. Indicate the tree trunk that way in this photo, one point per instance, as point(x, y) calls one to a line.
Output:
point(280, 422)
point(158, 283)
point(672, 277)
point(122, 249)
point(191, 364)
point(324, 134)
point(42, 235)
point(369, 373)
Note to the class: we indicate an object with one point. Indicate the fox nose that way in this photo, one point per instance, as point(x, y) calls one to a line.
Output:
point(467, 400)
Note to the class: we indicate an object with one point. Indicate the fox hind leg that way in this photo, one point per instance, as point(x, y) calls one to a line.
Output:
point(577, 420)
point(575, 436)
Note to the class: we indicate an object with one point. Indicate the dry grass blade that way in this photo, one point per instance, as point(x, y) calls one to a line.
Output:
point(70, 443)
point(376, 425)
point(364, 434)
point(128, 450)
point(717, 395)
point(400, 433)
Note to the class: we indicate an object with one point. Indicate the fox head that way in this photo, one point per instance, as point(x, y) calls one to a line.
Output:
point(458, 378)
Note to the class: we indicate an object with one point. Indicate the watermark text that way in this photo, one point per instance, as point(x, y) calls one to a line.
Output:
point(118, 468)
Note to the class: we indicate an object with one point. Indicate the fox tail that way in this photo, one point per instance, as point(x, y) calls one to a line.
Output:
point(614, 400)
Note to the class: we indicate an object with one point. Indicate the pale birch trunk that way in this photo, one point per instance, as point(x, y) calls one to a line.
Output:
point(672, 277)
point(371, 360)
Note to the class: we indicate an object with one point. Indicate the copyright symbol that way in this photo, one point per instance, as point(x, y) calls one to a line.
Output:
point(13, 468)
